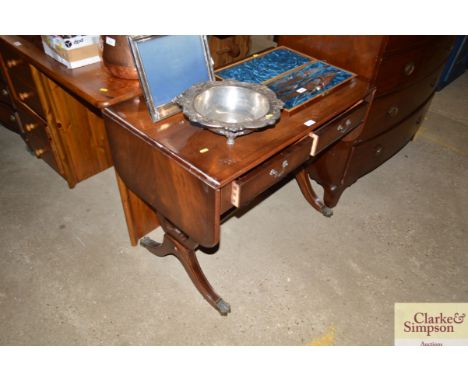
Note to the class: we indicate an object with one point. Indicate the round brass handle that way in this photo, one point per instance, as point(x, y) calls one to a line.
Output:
point(13, 63)
point(342, 128)
point(30, 127)
point(12, 118)
point(39, 152)
point(393, 111)
point(378, 150)
point(409, 68)
point(24, 95)
point(4, 92)
point(278, 174)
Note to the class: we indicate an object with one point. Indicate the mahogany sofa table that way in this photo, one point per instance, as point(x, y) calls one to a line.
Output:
point(188, 178)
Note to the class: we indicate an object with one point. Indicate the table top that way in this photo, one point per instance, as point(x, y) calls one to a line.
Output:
point(207, 156)
point(93, 83)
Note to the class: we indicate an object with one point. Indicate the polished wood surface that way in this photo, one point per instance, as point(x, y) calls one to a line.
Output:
point(370, 154)
point(359, 54)
point(409, 66)
point(404, 71)
point(393, 108)
point(71, 137)
point(93, 83)
point(168, 187)
point(188, 177)
point(8, 115)
point(207, 155)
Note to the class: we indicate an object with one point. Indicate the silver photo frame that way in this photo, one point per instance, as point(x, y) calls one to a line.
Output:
point(169, 65)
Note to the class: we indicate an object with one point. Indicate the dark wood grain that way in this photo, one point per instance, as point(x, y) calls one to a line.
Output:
point(368, 155)
point(164, 184)
point(391, 109)
point(359, 54)
point(403, 69)
point(394, 71)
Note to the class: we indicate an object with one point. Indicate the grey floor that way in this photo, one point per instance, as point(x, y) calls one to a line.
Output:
point(68, 275)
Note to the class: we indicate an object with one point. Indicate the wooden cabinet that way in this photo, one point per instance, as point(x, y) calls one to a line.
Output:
point(59, 109)
point(404, 71)
point(8, 115)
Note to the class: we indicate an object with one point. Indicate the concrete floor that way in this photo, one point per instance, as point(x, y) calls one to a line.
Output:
point(68, 275)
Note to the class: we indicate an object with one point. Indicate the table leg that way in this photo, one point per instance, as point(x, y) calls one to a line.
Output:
point(177, 244)
point(302, 178)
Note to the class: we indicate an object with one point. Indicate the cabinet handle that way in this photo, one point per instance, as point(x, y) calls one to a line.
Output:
point(23, 96)
point(341, 128)
point(409, 68)
point(30, 126)
point(277, 174)
point(12, 118)
point(13, 63)
point(39, 152)
point(393, 111)
point(4, 92)
point(378, 150)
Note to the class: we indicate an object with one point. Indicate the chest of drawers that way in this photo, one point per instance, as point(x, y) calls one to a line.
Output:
point(8, 115)
point(59, 109)
point(404, 71)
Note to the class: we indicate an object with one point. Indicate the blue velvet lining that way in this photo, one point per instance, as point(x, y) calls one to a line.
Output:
point(264, 68)
point(307, 78)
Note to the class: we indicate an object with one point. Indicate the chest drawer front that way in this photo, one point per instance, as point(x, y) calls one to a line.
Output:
point(8, 118)
point(269, 173)
point(4, 94)
point(28, 95)
point(389, 110)
point(402, 69)
point(36, 137)
point(398, 43)
point(367, 156)
point(336, 129)
point(17, 67)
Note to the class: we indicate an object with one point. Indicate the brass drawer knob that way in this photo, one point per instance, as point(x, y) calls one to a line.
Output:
point(409, 68)
point(12, 118)
point(378, 150)
point(23, 96)
point(277, 174)
point(30, 127)
point(393, 111)
point(39, 152)
point(4, 92)
point(347, 124)
point(13, 63)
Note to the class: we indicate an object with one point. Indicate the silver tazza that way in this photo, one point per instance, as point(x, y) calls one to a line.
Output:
point(230, 108)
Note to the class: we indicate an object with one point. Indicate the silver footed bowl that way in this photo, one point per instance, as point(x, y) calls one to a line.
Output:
point(230, 108)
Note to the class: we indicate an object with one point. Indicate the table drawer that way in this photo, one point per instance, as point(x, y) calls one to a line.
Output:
point(401, 70)
point(36, 137)
point(269, 173)
point(367, 156)
point(8, 118)
point(391, 109)
point(336, 129)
